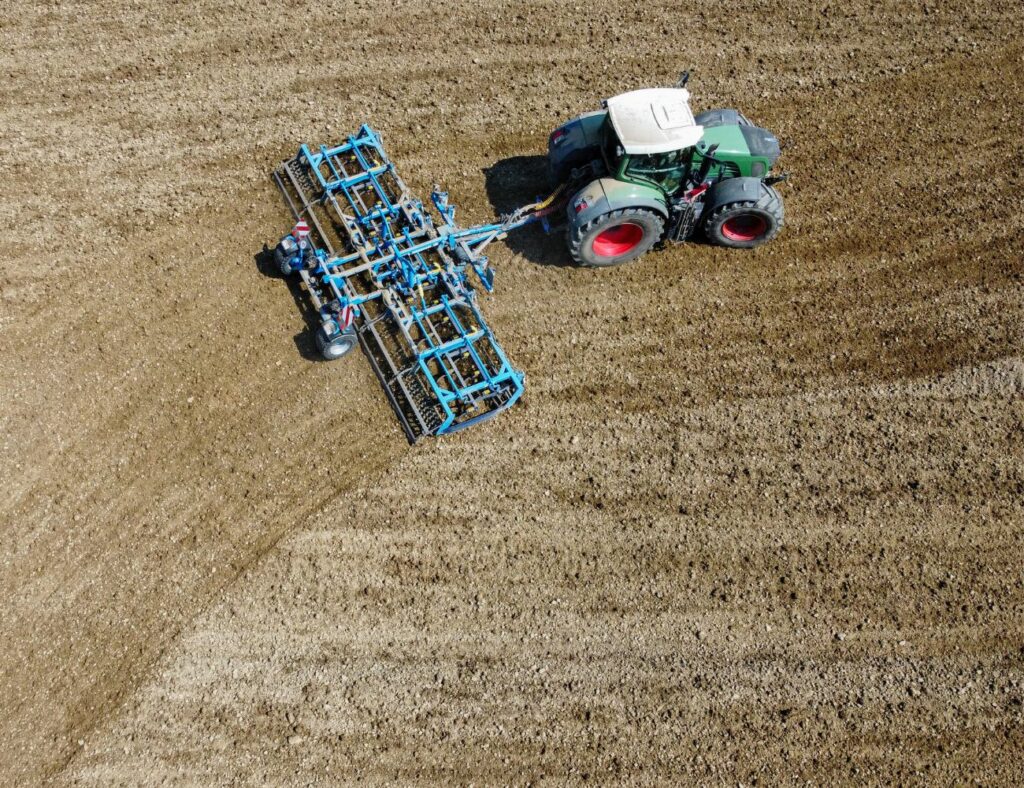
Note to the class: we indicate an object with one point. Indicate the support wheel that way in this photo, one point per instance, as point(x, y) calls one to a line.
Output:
point(337, 346)
point(284, 252)
point(744, 225)
point(615, 237)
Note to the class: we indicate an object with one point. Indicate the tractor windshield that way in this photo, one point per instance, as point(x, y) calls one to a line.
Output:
point(657, 163)
point(666, 170)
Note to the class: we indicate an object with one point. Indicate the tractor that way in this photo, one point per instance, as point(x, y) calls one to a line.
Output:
point(643, 169)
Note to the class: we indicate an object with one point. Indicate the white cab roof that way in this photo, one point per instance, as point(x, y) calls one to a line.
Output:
point(654, 120)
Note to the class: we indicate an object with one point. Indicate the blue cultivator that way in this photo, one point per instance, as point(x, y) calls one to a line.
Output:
point(381, 270)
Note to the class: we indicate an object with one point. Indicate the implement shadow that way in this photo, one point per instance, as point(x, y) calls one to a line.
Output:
point(517, 181)
point(305, 341)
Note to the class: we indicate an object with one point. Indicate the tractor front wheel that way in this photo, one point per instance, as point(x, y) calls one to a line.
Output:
point(615, 237)
point(746, 224)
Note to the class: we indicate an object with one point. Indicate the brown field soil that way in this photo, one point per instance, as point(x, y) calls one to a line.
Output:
point(759, 518)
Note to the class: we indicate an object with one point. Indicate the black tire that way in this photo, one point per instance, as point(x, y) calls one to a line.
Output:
point(337, 347)
point(281, 259)
point(746, 224)
point(607, 230)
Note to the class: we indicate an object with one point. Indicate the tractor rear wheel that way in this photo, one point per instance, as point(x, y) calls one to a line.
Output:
point(746, 224)
point(615, 237)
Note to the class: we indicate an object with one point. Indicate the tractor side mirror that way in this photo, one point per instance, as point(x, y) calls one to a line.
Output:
point(683, 79)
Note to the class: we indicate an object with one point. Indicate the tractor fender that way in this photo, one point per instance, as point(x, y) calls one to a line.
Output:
point(607, 194)
point(732, 190)
point(575, 143)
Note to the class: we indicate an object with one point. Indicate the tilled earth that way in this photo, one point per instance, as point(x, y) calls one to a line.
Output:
point(759, 518)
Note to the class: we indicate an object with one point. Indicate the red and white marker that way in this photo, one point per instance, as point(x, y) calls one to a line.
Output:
point(301, 229)
point(346, 316)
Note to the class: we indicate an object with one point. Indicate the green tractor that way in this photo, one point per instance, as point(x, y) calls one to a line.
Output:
point(643, 169)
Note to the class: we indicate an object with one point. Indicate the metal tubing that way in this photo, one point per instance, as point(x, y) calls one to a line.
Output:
point(401, 267)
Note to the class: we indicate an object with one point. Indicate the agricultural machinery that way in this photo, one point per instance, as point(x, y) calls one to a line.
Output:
point(385, 272)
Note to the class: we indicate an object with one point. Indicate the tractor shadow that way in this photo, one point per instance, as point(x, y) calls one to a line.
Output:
point(517, 181)
point(305, 341)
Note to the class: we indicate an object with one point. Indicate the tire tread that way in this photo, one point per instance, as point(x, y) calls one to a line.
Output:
point(578, 234)
point(770, 203)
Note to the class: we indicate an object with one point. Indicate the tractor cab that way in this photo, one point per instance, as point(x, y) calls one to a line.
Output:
point(650, 137)
point(667, 171)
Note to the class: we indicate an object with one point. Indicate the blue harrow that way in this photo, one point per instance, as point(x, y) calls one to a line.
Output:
point(383, 271)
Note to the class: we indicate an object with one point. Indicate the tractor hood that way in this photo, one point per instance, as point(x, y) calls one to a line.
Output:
point(747, 149)
point(761, 142)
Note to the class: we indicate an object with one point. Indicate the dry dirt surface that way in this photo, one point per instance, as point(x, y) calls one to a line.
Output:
point(759, 518)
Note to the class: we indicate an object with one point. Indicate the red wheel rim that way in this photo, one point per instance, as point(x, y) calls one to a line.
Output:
point(617, 240)
point(744, 227)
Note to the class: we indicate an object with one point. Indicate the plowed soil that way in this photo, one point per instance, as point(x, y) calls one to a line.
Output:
point(759, 518)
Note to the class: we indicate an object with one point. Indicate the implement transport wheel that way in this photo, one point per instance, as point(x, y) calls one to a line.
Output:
point(615, 237)
point(744, 225)
point(337, 347)
point(283, 254)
